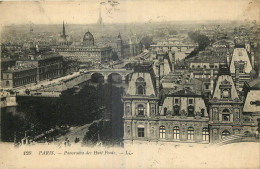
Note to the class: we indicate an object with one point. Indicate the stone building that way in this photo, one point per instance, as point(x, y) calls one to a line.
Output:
point(130, 49)
point(181, 116)
point(225, 107)
point(19, 76)
point(33, 69)
point(240, 67)
point(87, 52)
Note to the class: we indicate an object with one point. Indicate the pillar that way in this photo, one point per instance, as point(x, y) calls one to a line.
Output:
point(105, 78)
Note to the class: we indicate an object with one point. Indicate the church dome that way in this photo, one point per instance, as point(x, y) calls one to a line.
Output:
point(88, 39)
point(88, 36)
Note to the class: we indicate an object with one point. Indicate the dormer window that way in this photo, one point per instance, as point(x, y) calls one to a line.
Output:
point(140, 86)
point(225, 93)
point(140, 90)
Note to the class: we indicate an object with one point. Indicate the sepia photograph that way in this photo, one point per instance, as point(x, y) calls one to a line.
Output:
point(127, 84)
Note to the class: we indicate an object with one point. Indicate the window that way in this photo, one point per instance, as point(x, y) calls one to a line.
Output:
point(204, 66)
point(225, 134)
point(225, 117)
point(193, 66)
point(198, 66)
point(190, 133)
point(202, 112)
point(190, 101)
point(190, 111)
point(140, 90)
point(162, 131)
point(7, 83)
point(7, 76)
point(241, 69)
point(206, 86)
point(176, 101)
point(140, 131)
point(140, 109)
point(176, 110)
point(165, 110)
point(205, 134)
point(225, 93)
point(176, 133)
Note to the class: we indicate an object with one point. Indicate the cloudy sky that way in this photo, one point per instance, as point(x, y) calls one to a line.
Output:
point(126, 11)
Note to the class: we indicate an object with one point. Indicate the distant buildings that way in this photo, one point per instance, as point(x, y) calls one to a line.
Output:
point(125, 50)
point(85, 53)
point(33, 69)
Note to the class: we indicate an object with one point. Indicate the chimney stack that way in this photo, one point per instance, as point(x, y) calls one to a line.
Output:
point(237, 74)
point(211, 81)
point(253, 59)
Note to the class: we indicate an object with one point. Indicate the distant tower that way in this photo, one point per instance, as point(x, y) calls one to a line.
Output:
point(131, 47)
point(100, 17)
point(120, 49)
point(63, 36)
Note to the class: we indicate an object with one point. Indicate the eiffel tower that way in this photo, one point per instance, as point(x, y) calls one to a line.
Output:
point(100, 17)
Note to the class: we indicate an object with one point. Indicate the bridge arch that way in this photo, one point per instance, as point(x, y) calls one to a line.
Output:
point(115, 77)
point(97, 77)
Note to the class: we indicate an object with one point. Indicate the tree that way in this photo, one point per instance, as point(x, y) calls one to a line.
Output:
point(147, 41)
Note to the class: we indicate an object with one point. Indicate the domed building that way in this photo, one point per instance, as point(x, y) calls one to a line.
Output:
point(87, 53)
point(88, 39)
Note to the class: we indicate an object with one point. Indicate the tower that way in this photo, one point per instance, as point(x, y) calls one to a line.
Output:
point(63, 36)
point(140, 105)
point(120, 49)
point(100, 17)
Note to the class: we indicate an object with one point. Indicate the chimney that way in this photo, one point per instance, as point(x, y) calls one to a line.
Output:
point(211, 81)
point(191, 74)
point(237, 74)
point(253, 59)
point(228, 59)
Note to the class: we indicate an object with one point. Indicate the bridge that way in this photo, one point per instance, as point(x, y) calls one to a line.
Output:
point(170, 46)
point(107, 72)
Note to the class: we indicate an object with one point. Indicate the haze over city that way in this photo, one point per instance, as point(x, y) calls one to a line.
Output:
point(86, 12)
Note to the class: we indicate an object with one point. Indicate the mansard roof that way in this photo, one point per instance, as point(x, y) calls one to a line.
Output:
point(240, 54)
point(184, 93)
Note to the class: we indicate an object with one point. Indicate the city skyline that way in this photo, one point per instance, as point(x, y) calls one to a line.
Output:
point(87, 12)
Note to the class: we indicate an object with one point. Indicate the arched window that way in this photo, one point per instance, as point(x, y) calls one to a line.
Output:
point(7, 83)
point(140, 131)
point(225, 133)
point(205, 134)
point(190, 133)
point(165, 111)
point(140, 110)
point(162, 132)
point(205, 66)
point(225, 115)
point(176, 133)
point(140, 86)
point(140, 90)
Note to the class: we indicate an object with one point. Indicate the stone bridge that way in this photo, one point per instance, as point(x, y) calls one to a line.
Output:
point(107, 72)
point(170, 46)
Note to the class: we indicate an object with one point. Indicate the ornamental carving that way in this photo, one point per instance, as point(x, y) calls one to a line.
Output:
point(225, 82)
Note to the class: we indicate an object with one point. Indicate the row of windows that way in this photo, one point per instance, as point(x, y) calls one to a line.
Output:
point(176, 133)
point(177, 101)
point(211, 66)
point(22, 81)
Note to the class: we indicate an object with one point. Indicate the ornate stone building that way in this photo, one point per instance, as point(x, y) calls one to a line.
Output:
point(179, 116)
point(87, 52)
point(225, 107)
point(125, 50)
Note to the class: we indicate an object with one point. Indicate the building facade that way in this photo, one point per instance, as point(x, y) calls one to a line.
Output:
point(88, 52)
